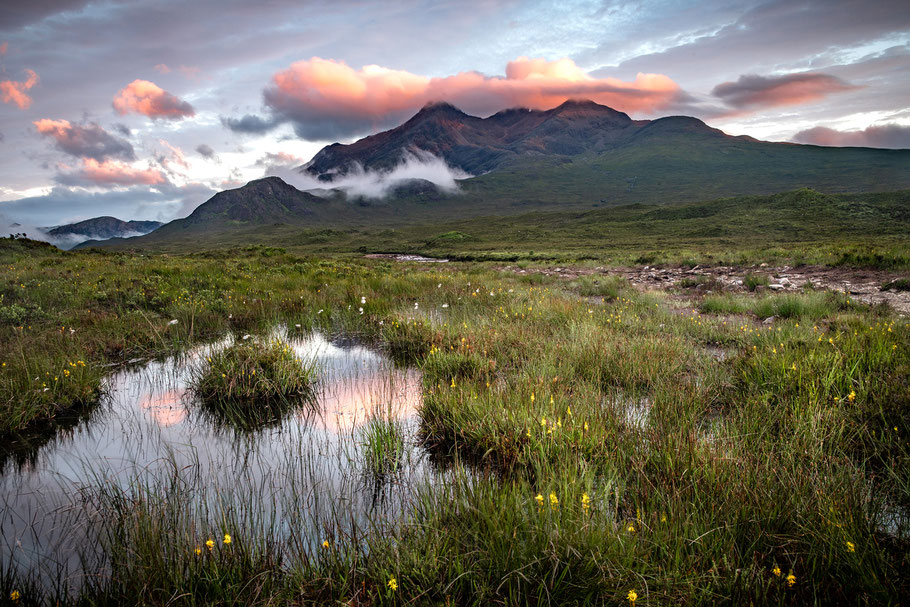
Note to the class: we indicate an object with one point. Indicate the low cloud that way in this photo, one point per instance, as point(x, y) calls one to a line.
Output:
point(63, 205)
point(12, 91)
point(110, 173)
point(324, 98)
point(149, 99)
point(893, 136)
point(360, 183)
point(89, 141)
point(753, 92)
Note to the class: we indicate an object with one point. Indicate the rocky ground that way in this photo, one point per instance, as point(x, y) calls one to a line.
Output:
point(862, 285)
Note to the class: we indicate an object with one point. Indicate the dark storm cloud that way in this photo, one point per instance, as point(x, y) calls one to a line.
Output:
point(85, 141)
point(753, 91)
point(893, 136)
point(251, 124)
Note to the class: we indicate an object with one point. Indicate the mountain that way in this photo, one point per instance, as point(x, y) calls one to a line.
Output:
point(478, 145)
point(585, 153)
point(263, 202)
point(98, 228)
point(570, 158)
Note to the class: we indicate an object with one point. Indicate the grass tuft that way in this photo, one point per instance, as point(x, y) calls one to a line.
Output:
point(250, 383)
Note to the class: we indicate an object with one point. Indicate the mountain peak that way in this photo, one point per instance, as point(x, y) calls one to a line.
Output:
point(439, 108)
point(580, 107)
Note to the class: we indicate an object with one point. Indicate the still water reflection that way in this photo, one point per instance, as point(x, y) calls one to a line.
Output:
point(301, 474)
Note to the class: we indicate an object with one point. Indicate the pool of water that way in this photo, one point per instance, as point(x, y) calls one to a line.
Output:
point(303, 474)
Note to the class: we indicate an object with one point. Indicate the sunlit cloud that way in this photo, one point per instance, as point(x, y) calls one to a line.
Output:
point(12, 91)
point(326, 98)
point(110, 173)
point(90, 141)
point(752, 92)
point(149, 99)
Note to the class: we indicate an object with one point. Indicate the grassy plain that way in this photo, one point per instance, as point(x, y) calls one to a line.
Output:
point(798, 227)
point(609, 446)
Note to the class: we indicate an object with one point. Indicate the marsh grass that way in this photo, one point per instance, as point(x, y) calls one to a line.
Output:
point(383, 445)
point(789, 455)
point(250, 383)
point(752, 281)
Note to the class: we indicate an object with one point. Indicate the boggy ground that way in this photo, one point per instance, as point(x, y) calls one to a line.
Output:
point(606, 449)
point(869, 286)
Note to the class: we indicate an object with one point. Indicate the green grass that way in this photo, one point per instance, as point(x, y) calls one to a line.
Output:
point(900, 284)
point(685, 478)
point(250, 383)
point(858, 230)
point(752, 281)
point(383, 446)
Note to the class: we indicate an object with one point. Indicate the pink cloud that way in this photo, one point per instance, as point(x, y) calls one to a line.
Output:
point(3, 48)
point(162, 68)
point(893, 136)
point(177, 156)
point(90, 141)
point(324, 89)
point(752, 91)
point(111, 173)
point(149, 99)
point(14, 92)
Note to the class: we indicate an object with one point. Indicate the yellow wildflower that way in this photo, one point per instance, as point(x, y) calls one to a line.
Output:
point(585, 502)
point(198, 550)
point(539, 499)
point(631, 528)
point(14, 595)
point(791, 579)
point(632, 596)
point(210, 544)
point(852, 396)
point(776, 571)
point(227, 538)
point(325, 543)
point(851, 547)
point(554, 501)
point(393, 584)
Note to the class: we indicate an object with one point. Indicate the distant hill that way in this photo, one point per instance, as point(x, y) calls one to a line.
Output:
point(577, 156)
point(98, 228)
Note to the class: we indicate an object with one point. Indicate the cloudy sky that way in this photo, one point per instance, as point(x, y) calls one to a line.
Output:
point(143, 109)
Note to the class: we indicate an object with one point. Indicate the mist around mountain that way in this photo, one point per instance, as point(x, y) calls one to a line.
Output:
point(97, 229)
